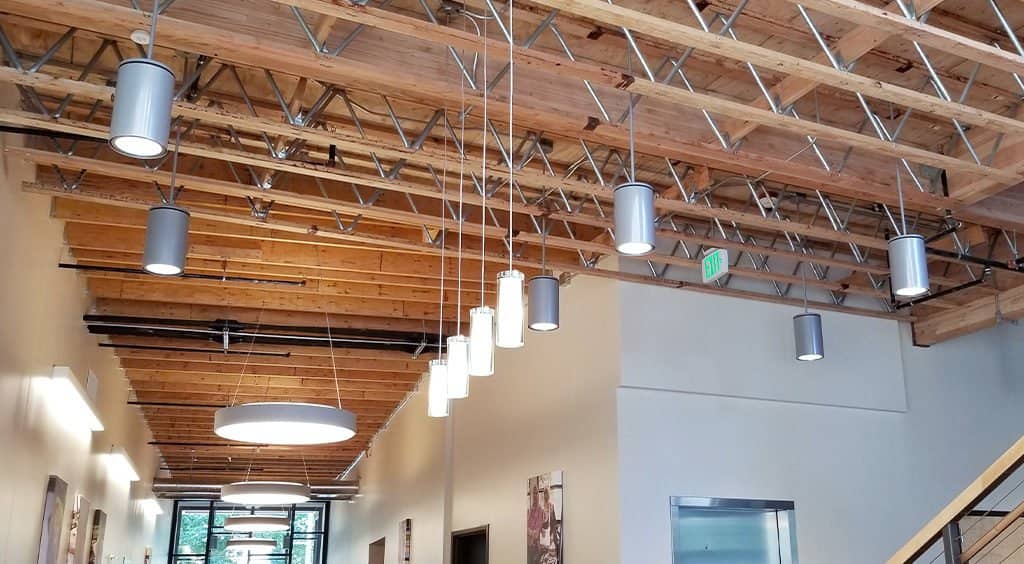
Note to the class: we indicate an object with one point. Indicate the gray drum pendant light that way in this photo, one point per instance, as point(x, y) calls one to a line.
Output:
point(167, 233)
point(543, 293)
point(908, 263)
point(141, 121)
point(634, 204)
point(810, 345)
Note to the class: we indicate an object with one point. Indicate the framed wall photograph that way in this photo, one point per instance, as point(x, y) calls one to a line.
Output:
point(78, 530)
point(544, 519)
point(405, 541)
point(53, 520)
point(96, 534)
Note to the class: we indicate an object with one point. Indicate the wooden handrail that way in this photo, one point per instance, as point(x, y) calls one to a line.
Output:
point(968, 498)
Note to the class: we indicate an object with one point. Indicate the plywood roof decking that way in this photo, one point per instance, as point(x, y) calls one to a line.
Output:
point(384, 273)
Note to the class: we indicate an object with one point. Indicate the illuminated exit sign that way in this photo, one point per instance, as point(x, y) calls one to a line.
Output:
point(714, 265)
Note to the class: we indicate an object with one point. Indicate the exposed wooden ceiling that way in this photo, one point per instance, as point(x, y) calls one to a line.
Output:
point(320, 154)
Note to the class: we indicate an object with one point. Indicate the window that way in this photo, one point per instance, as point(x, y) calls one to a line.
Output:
point(732, 531)
point(198, 535)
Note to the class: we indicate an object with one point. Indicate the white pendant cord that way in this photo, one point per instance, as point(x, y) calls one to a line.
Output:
point(462, 176)
point(483, 181)
point(441, 235)
point(511, 150)
point(899, 192)
point(334, 366)
point(305, 469)
point(245, 363)
point(803, 272)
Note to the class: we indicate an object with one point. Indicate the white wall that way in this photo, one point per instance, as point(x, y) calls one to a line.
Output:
point(42, 326)
point(755, 424)
point(550, 406)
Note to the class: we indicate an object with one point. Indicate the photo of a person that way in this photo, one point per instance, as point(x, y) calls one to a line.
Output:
point(544, 519)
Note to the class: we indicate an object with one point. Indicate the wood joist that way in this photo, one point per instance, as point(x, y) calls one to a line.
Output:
point(781, 168)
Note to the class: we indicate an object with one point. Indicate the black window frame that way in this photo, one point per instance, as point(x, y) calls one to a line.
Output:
point(323, 508)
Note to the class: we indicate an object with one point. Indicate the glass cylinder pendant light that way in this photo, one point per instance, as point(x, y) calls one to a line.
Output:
point(437, 389)
point(908, 265)
point(458, 367)
point(166, 240)
point(481, 341)
point(510, 318)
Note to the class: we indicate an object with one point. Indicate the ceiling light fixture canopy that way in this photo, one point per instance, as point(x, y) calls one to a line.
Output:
point(252, 545)
point(264, 493)
point(166, 240)
point(256, 523)
point(71, 399)
point(285, 423)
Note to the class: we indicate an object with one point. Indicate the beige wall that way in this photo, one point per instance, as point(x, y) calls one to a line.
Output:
point(550, 406)
point(42, 326)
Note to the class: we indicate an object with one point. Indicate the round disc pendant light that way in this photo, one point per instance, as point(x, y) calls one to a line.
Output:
point(634, 218)
point(256, 523)
point(908, 265)
point(481, 341)
point(543, 304)
point(166, 240)
point(810, 344)
point(284, 423)
point(141, 121)
point(253, 545)
point(437, 389)
point(264, 493)
point(458, 367)
point(509, 333)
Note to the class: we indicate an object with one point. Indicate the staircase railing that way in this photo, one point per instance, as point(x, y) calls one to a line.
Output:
point(945, 526)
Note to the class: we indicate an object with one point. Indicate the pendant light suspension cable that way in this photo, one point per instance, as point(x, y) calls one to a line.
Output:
point(483, 179)
point(632, 140)
point(511, 151)
point(245, 363)
point(174, 164)
point(334, 366)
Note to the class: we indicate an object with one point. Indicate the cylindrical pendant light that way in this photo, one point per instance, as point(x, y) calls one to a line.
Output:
point(807, 332)
point(481, 341)
point(284, 423)
point(634, 218)
point(458, 367)
point(509, 332)
point(264, 493)
point(141, 121)
point(166, 240)
point(543, 303)
point(437, 389)
point(908, 265)
point(252, 545)
point(256, 523)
